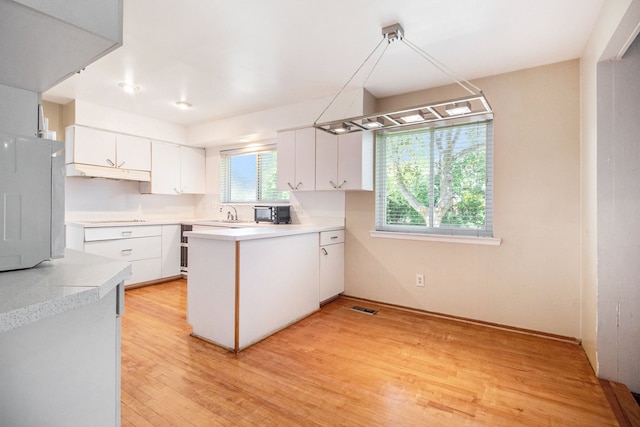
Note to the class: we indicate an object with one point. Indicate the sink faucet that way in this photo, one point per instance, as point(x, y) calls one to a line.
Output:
point(230, 216)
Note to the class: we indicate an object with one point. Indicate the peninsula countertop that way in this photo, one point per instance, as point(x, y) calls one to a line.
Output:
point(56, 286)
point(264, 232)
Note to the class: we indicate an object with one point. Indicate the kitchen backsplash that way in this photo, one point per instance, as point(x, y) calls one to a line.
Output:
point(101, 199)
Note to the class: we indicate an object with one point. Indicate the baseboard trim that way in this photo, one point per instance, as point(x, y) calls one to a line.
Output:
point(152, 282)
point(492, 325)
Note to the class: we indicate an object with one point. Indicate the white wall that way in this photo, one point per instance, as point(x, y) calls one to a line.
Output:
point(97, 199)
point(532, 280)
point(263, 125)
point(97, 116)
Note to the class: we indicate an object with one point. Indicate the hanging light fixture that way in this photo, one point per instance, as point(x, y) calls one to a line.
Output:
point(474, 106)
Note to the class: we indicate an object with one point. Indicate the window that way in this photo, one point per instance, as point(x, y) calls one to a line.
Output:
point(436, 180)
point(249, 175)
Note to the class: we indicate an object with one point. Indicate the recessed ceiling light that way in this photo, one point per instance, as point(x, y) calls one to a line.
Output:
point(183, 105)
point(129, 87)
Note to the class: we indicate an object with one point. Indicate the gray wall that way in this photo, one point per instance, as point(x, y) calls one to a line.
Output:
point(619, 219)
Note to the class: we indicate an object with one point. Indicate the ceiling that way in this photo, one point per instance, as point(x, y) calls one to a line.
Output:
point(229, 58)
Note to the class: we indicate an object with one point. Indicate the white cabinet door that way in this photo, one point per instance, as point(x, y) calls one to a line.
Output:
point(326, 161)
point(90, 146)
point(176, 169)
point(306, 159)
point(331, 271)
point(344, 162)
point(286, 160)
point(355, 161)
point(165, 169)
point(296, 160)
point(192, 170)
point(170, 250)
point(133, 152)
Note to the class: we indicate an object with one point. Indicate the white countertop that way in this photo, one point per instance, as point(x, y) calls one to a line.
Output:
point(56, 286)
point(124, 223)
point(262, 232)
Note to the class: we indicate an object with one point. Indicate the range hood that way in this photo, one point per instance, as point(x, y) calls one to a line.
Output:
point(92, 171)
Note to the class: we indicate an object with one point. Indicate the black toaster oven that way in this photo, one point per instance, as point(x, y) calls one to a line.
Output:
point(272, 214)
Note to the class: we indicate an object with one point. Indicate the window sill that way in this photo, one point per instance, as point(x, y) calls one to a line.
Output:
point(468, 240)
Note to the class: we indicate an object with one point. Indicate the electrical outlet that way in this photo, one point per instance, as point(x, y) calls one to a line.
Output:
point(419, 279)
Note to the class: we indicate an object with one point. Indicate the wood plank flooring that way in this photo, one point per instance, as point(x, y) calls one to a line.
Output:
point(339, 367)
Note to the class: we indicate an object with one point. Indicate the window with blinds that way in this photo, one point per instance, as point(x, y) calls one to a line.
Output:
point(436, 180)
point(249, 175)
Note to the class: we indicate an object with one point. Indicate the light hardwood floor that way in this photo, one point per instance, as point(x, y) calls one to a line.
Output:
point(339, 367)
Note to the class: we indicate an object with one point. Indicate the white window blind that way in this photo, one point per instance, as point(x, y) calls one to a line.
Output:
point(436, 180)
point(250, 175)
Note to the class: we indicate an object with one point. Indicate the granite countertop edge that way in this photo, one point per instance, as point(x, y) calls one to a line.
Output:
point(57, 286)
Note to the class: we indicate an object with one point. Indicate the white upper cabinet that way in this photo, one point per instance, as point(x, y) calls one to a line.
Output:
point(109, 149)
point(133, 152)
point(297, 160)
point(90, 146)
point(176, 169)
point(344, 162)
point(192, 170)
point(165, 169)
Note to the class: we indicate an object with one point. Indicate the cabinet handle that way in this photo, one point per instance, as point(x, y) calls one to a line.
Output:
point(334, 237)
point(324, 251)
point(127, 251)
point(343, 183)
point(290, 186)
point(333, 184)
point(120, 165)
point(176, 190)
point(127, 233)
point(110, 162)
point(298, 186)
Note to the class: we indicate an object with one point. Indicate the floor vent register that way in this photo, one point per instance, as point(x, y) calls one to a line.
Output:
point(364, 310)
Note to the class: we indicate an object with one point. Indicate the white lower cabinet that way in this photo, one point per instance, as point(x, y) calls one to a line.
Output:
point(331, 264)
point(152, 250)
point(171, 250)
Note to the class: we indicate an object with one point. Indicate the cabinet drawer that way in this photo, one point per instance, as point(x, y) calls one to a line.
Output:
point(127, 249)
point(123, 232)
point(331, 237)
point(144, 270)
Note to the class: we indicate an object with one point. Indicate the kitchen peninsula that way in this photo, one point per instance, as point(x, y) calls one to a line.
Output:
point(245, 284)
point(60, 342)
